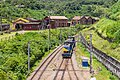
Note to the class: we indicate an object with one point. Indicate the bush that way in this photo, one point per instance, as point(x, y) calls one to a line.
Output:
point(14, 53)
point(117, 36)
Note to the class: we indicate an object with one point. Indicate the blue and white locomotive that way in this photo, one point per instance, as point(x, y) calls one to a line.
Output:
point(68, 47)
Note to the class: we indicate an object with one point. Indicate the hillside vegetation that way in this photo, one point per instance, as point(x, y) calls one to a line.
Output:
point(13, 53)
point(115, 11)
point(106, 32)
point(14, 56)
point(11, 9)
point(110, 27)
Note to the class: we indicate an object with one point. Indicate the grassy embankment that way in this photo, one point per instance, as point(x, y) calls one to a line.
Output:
point(101, 73)
point(110, 48)
point(109, 30)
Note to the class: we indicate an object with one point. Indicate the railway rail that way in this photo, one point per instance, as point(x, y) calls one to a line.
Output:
point(65, 68)
point(74, 70)
point(38, 73)
point(54, 67)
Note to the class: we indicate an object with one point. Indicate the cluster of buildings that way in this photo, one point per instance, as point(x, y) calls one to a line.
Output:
point(47, 22)
point(51, 22)
point(84, 20)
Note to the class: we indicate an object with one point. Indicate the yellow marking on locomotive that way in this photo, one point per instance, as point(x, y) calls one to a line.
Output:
point(64, 49)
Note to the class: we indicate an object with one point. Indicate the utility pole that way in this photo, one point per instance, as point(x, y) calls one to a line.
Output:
point(91, 71)
point(60, 36)
point(49, 44)
point(42, 24)
point(49, 26)
point(28, 57)
point(1, 19)
point(1, 23)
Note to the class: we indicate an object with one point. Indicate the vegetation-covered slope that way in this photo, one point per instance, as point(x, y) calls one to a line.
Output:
point(13, 53)
point(40, 8)
point(106, 35)
point(110, 27)
point(115, 11)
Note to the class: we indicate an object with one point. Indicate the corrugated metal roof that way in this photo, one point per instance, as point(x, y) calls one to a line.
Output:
point(96, 18)
point(58, 17)
point(6, 24)
point(32, 23)
point(31, 19)
point(76, 17)
point(88, 17)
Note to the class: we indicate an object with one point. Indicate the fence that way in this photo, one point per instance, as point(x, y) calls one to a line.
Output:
point(110, 63)
point(7, 38)
point(11, 36)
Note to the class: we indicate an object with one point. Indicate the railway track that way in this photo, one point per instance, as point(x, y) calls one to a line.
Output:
point(41, 69)
point(66, 71)
point(54, 67)
point(74, 70)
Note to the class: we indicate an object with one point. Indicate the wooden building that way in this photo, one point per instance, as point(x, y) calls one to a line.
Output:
point(56, 21)
point(84, 20)
point(27, 24)
point(89, 20)
point(32, 26)
point(95, 19)
point(5, 27)
point(76, 20)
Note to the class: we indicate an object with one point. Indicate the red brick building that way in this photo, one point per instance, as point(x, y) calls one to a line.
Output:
point(27, 24)
point(32, 26)
point(56, 21)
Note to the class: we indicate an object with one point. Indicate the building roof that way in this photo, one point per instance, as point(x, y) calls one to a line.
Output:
point(20, 6)
point(82, 57)
point(96, 18)
point(32, 23)
point(58, 17)
point(6, 24)
point(25, 20)
point(31, 19)
point(87, 17)
point(76, 17)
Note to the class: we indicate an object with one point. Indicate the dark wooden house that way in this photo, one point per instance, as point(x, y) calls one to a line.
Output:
point(76, 20)
point(83, 20)
point(5, 27)
point(95, 19)
point(89, 20)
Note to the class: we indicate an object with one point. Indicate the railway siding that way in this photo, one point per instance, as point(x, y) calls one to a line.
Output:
point(45, 63)
point(112, 64)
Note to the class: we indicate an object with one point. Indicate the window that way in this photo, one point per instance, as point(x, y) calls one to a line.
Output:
point(33, 26)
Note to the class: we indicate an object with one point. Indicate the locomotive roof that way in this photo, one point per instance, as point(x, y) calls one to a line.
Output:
point(68, 40)
point(65, 45)
point(71, 36)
